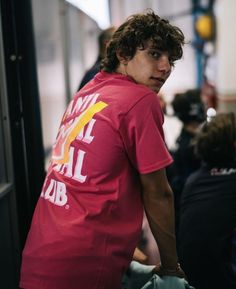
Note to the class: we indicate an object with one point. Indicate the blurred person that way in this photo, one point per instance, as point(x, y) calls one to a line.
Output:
point(103, 40)
point(209, 94)
point(207, 236)
point(106, 169)
point(189, 109)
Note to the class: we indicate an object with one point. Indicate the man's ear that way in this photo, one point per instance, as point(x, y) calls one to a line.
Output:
point(122, 59)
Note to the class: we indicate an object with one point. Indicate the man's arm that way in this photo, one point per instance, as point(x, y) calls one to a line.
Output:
point(139, 256)
point(159, 207)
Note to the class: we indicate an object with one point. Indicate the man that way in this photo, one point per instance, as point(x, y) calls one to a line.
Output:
point(103, 39)
point(108, 162)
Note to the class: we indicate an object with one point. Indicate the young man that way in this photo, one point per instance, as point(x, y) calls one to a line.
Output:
point(108, 163)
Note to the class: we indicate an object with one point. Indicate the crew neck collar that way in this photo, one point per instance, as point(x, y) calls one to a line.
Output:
point(102, 75)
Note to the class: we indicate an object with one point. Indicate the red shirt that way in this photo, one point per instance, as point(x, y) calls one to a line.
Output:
point(88, 219)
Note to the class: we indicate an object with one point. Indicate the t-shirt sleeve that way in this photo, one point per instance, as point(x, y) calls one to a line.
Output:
point(143, 137)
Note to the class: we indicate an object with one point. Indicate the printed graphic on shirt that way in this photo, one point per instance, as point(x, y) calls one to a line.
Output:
point(76, 160)
point(222, 171)
point(55, 193)
point(69, 131)
point(65, 159)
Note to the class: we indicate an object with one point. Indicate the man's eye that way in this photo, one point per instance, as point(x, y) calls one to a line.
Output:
point(155, 54)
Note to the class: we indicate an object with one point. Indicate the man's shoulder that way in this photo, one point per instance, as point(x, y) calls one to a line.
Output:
point(125, 92)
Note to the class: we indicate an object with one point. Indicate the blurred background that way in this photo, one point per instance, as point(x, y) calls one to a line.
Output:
point(45, 48)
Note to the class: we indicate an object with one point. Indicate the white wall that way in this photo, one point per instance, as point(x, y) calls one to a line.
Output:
point(226, 47)
point(66, 45)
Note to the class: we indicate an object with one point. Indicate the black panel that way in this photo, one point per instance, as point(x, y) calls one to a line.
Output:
point(20, 189)
point(9, 260)
point(23, 99)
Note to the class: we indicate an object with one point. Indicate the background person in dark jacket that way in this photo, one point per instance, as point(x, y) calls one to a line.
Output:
point(103, 39)
point(189, 109)
point(207, 236)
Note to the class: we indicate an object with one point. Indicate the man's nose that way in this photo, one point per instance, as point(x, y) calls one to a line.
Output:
point(164, 64)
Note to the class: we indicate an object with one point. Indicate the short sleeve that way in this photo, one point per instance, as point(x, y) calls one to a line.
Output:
point(143, 137)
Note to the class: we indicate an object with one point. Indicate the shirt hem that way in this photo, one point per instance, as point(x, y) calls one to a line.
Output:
point(156, 167)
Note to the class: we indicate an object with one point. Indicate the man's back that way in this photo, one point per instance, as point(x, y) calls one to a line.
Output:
point(92, 189)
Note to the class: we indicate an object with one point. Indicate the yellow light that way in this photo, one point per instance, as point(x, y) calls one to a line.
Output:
point(204, 26)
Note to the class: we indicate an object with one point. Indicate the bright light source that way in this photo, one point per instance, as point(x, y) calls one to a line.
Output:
point(96, 9)
point(211, 113)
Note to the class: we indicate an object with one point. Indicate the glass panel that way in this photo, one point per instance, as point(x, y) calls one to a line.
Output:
point(82, 51)
point(50, 66)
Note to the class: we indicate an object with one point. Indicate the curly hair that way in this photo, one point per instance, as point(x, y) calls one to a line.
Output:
point(136, 31)
point(215, 142)
point(188, 106)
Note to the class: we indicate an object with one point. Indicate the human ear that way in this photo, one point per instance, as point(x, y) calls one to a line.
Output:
point(122, 59)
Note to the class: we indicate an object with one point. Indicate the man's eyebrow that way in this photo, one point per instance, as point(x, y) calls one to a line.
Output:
point(156, 47)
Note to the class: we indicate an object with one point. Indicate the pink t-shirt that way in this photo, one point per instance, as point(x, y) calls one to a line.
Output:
point(89, 216)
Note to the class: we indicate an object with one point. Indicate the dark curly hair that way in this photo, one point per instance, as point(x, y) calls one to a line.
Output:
point(136, 31)
point(188, 106)
point(215, 143)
